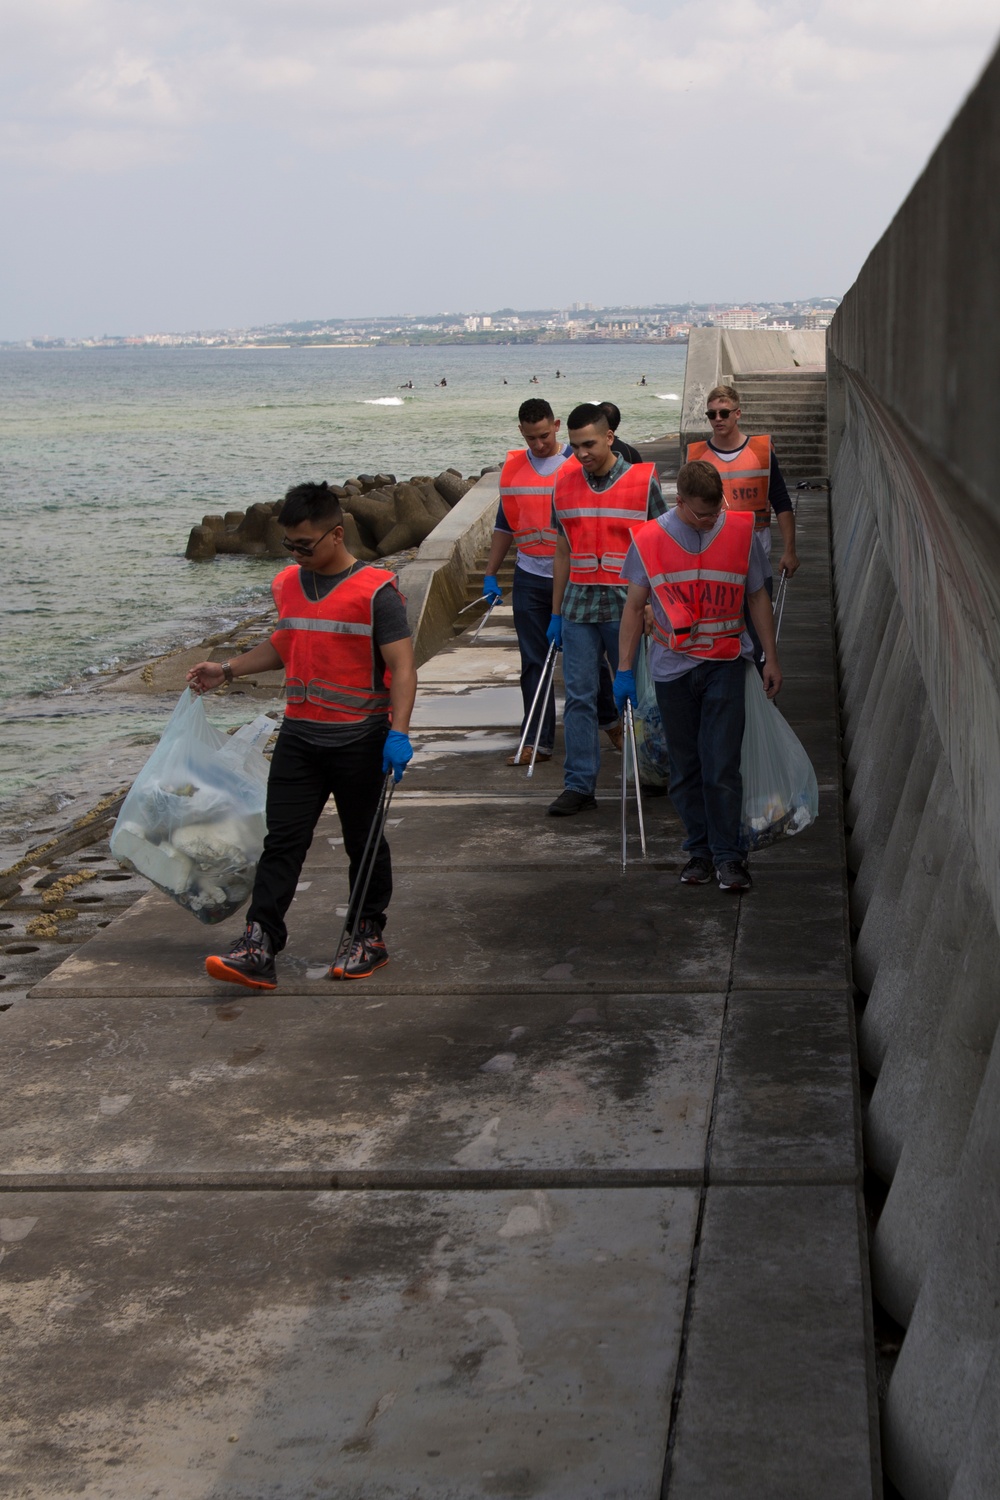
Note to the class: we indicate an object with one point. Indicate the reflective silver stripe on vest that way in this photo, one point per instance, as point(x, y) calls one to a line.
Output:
point(355, 699)
point(611, 562)
point(695, 575)
point(717, 627)
point(744, 473)
point(583, 562)
point(617, 513)
point(327, 627)
point(525, 538)
point(525, 489)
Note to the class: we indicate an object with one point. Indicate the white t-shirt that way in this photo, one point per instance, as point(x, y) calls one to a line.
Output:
point(540, 567)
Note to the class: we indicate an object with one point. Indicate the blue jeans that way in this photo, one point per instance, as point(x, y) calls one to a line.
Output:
point(532, 603)
point(584, 649)
point(703, 715)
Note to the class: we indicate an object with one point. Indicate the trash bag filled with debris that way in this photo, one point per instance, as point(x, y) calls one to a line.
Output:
point(193, 822)
point(650, 738)
point(780, 795)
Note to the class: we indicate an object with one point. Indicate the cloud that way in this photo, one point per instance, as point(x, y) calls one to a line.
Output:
point(393, 130)
point(535, 70)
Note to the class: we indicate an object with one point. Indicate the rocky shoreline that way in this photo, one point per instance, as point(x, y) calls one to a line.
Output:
point(382, 516)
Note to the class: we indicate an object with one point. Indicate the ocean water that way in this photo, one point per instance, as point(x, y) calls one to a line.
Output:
point(108, 457)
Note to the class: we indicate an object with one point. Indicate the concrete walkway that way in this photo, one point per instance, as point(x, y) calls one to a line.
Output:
point(563, 1202)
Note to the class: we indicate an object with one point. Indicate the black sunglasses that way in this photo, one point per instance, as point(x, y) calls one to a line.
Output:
point(306, 549)
point(722, 413)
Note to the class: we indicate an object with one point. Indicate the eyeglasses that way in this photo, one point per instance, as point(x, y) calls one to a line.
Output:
point(306, 549)
point(720, 414)
point(712, 515)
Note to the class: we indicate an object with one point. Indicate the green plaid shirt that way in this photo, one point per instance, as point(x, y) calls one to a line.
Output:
point(596, 603)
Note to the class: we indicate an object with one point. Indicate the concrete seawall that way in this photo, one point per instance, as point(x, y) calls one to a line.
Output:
point(914, 384)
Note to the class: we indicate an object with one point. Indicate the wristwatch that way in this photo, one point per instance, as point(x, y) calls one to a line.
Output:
point(227, 671)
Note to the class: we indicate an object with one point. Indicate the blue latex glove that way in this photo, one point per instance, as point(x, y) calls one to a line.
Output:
point(492, 589)
point(396, 754)
point(553, 632)
point(624, 690)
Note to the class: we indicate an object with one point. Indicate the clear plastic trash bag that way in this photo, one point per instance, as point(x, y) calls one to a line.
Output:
point(780, 795)
point(193, 822)
point(650, 739)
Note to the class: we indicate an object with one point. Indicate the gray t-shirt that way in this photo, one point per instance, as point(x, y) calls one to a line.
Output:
point(666, 665)
point(389, 624)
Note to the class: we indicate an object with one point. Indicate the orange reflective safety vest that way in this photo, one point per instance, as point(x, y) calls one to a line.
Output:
point(597, 523)
point(701, 592)
point(745, 481)
point(328, 648)
point(527, 504)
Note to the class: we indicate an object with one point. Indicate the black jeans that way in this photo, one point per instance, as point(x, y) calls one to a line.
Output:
point(301, 779)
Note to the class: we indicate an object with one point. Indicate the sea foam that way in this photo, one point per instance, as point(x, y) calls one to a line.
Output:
point(384, 401)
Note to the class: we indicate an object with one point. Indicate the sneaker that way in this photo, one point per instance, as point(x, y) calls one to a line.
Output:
point(569, 802)
point(733, 875)
point(616, 735)
point(250, 961)
point(697, 871)
point(525, 757)
point(367, 953)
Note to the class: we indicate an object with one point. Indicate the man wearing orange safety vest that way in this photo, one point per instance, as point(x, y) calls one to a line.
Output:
point(751, 477)
point(598, 497)
point(701, 563)
point(344, 642)
point(524, 517)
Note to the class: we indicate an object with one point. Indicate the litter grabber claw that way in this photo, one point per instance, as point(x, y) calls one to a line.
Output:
point(629, 751)
point(365, 869)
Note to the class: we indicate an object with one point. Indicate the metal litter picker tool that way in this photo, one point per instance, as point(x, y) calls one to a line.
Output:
point(485, 619)
point(365, 870)
point(629, 750)
point(548, 666)
point(483, 598)
point(779, 603)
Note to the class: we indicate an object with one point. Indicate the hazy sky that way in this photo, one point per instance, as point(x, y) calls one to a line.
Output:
point(172, 165)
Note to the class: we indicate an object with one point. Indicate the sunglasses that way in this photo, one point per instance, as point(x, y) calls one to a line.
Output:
point(721, 413)
point(306, 549)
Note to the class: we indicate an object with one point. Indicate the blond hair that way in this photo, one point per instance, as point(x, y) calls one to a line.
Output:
point(722, 393)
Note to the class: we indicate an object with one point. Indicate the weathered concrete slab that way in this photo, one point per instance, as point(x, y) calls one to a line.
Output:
point(350, 1089)
point(785, 1105)
point(775, 1395)
point(792, 933)
point(572, 931)
point(376, 1346)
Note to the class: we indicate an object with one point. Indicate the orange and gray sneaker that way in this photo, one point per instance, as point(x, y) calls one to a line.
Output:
point(366, 954)
point(250, 961)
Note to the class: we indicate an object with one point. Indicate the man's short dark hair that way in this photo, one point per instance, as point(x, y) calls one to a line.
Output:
point(310, 504)
point(588, 415)
point(700, 480)
point(535, 410)
point(612, 413)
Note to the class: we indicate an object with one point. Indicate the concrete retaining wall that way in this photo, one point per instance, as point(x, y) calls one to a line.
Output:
point(716, 356)
point(914, 391)
point(434, 583)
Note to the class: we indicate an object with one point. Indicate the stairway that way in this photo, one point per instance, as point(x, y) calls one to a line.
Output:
point(791, 406)
point(474, 586)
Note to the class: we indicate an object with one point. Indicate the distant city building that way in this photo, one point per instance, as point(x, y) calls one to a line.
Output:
point(737, 317)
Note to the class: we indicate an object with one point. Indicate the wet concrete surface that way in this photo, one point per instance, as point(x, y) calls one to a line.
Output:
point(561, 1202)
